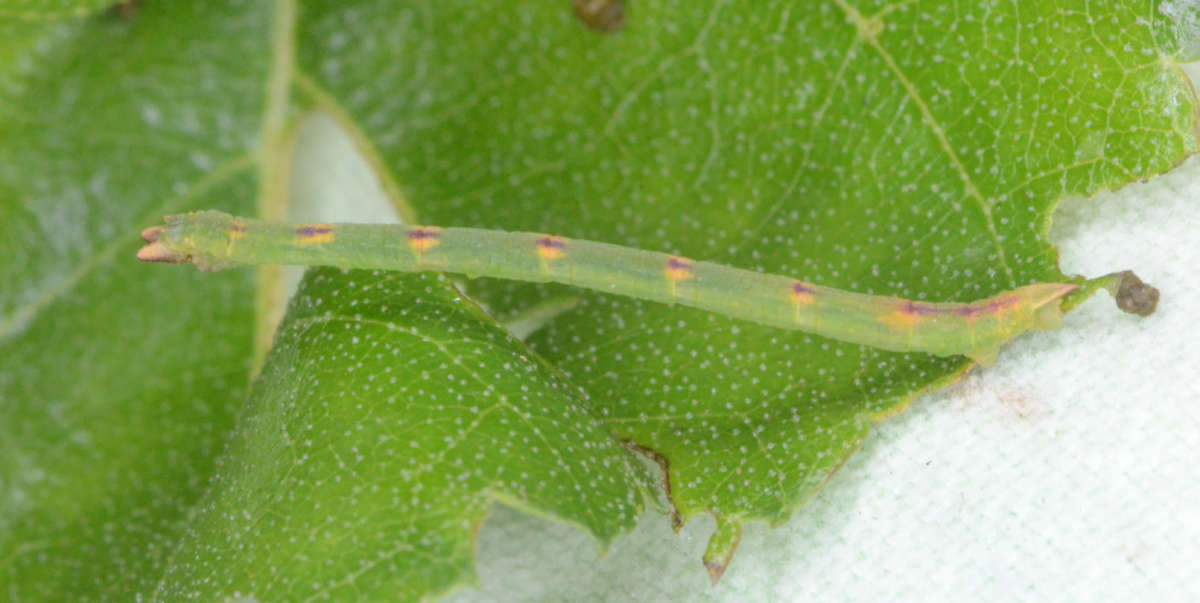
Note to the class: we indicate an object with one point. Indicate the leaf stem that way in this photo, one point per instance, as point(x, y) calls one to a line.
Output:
point(274, 168)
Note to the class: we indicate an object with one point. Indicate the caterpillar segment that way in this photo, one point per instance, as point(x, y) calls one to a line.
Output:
point(213, 240)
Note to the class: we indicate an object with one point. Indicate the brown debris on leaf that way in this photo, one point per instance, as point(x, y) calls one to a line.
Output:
point(601, 15)
point(127, 9)
point(1135, 296)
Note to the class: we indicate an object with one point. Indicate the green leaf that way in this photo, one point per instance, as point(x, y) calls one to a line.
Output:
point(118, 381)
point(390, 415)
point(58, 9)
point(901, 149)
point(909, 149)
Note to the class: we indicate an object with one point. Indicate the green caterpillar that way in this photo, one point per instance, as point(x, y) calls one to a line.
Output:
point(213, 241)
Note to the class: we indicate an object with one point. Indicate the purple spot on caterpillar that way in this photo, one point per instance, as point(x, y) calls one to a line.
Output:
point(969, 311)
point(551, 247)
point(1003, 303)
point(306, 231)
point(921, 309)
point(314, 233)
point(422, 238)
point(803, 293)
point(679, 268)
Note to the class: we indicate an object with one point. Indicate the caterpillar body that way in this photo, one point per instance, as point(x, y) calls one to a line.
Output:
point(213, 240)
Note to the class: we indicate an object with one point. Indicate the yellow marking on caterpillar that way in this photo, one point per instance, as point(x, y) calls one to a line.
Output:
point(905, 317)
point(550, 247)
point(314, 234)
point(237, 231)
point(678, 269)
point(424, 238)
point(802, 294)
